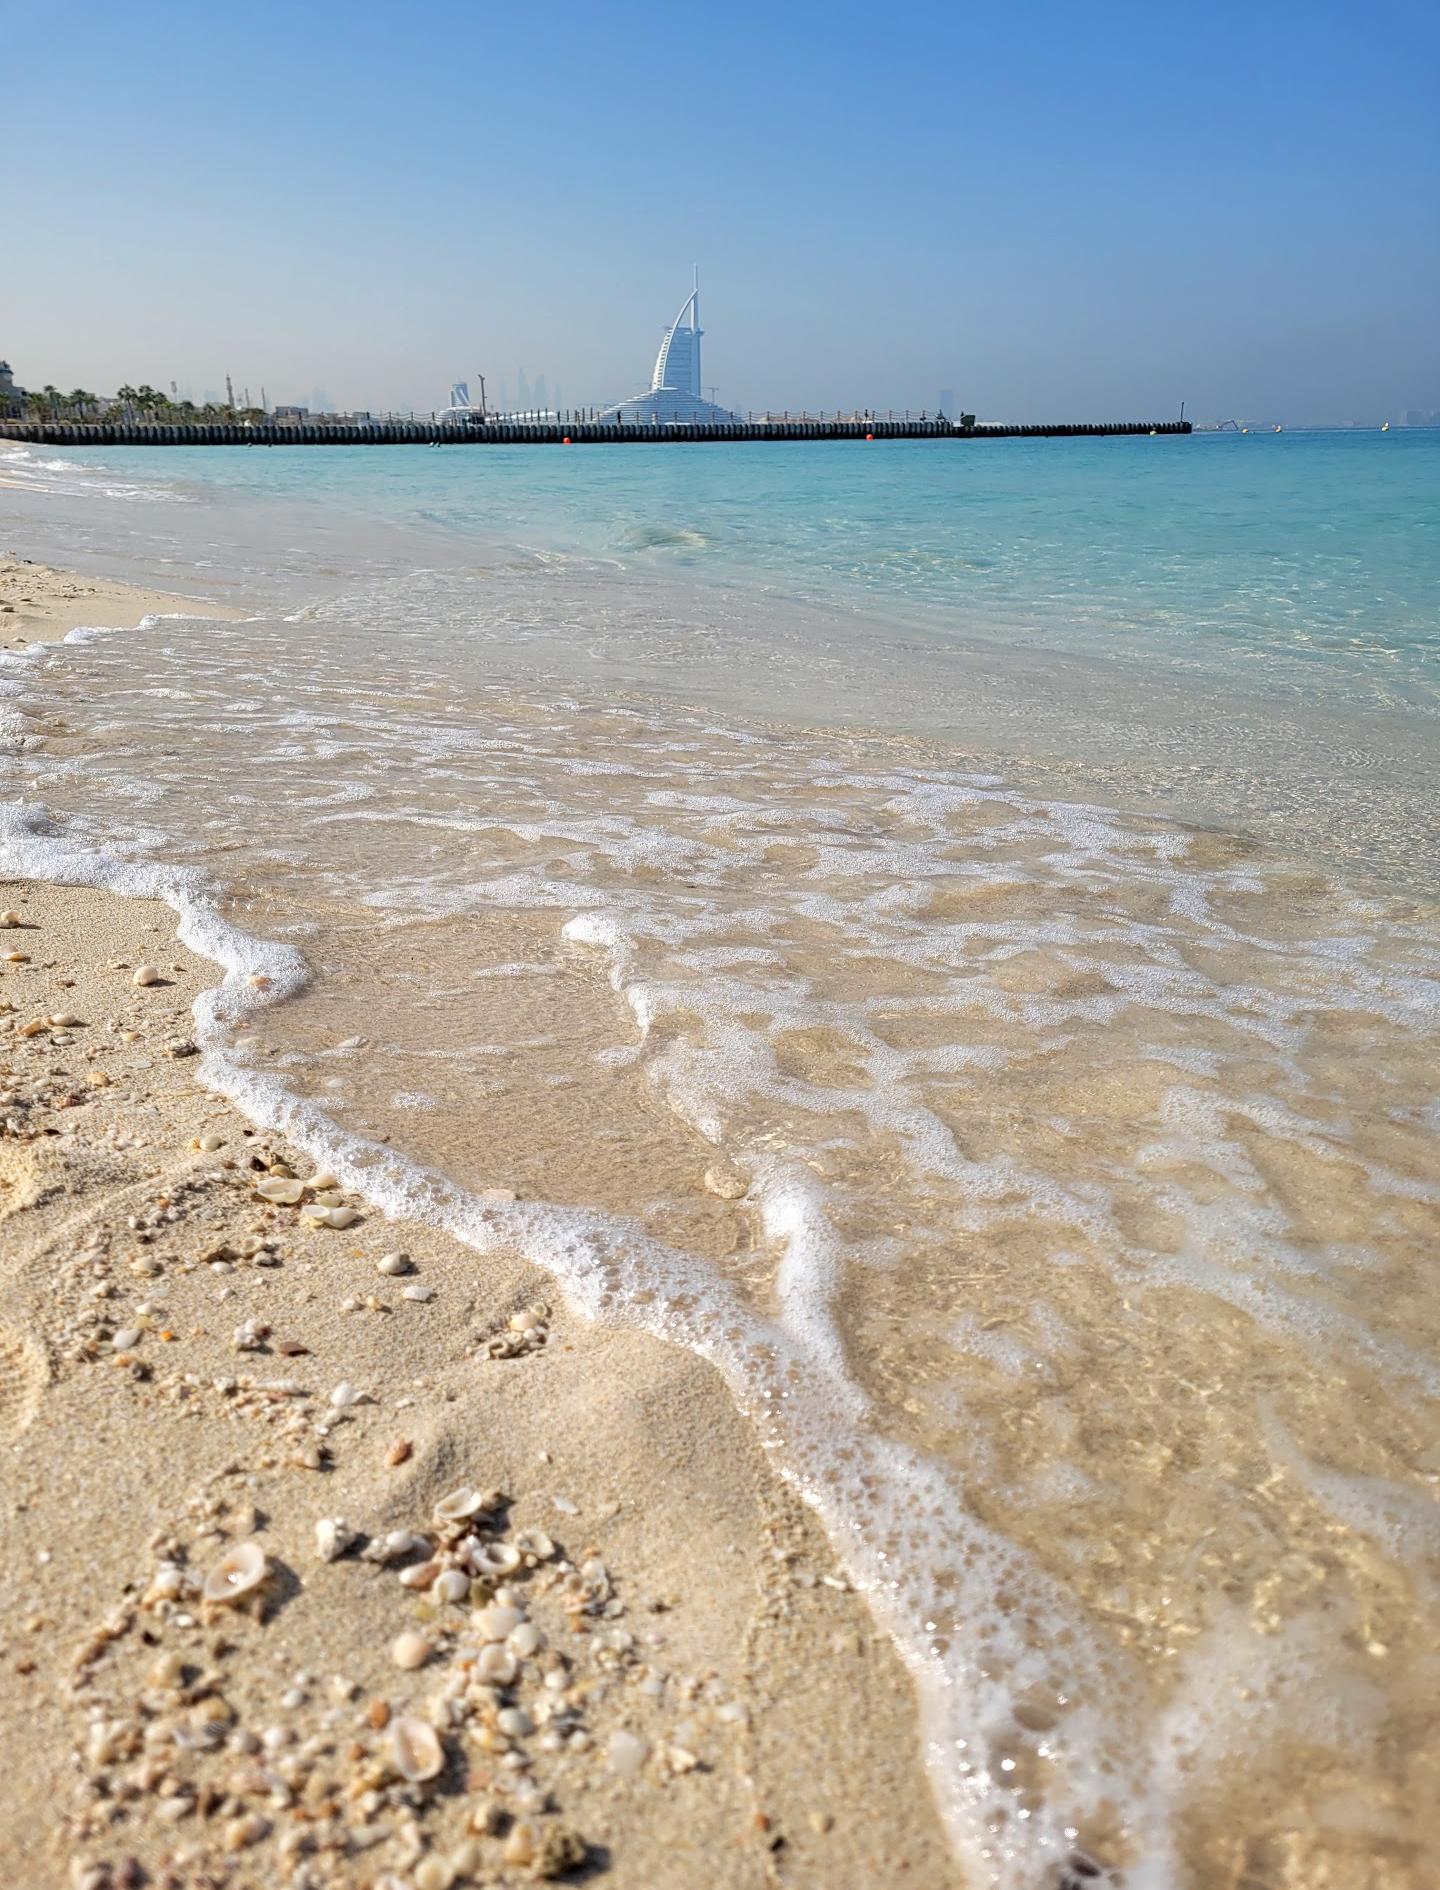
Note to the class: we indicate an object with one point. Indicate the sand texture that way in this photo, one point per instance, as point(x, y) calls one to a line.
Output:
point(39, 604)
point(172, 1346)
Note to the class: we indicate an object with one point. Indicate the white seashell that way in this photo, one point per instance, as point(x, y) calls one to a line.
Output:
point(236, 1574)
point(64, 1020)
point(526, 1640)
point(496, 1666)
point(126, 1339)
point(421, 1293)
point(415, 1750)
point(410, 1650)
point(395, 1546)
point(453, 1585)
point(281, 1189)
point(332, 1538)
point(340, 1216)
point(10, 918)
point(495, 1558)
point(322, 1180)
point(494, 1623)
point(460, 1504)
point(328, 1197)
point(627, 1753)
point(526, 1320)
point(534, 1542)
point(344, 1395)
point(393, 1264)
point(146, 974)
point(726, 1183)
point(209, 1143)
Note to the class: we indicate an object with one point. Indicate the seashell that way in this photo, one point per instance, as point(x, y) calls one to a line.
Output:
point(332, 1538)
point(522, 1845)
point(627, 1753)
point(726, 1183)
point(33, 1028)
point(410, 1650)
point(344, 1395)
point(10, 918)
point(281, 1189)
point(526, 1640)
point(236, 1574)
point(64, 1020)
point(452, 1585)
point(330, 1216)
point(146, 974)
point(526, 1320)
point(395, 1546)
point(495, 1558)
point(494, 1623)
point(210, 1142)
point(496, 1666)
point(421, 1293)
point(419, 1575)
point(534, 1542)
point(126, 1339)
point(322, 1180)
point(514, 1722)
point(393, 1264)
point(415, 1750)
point(328, 1197)
point(462, 1504)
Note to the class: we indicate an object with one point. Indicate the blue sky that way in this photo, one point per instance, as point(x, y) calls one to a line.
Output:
point(1057, 210)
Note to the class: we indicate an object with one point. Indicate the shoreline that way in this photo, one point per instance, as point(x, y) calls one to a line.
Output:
point(133, 1217)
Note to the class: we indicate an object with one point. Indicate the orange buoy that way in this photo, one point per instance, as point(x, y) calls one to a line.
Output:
point(869, 436)
point(566, 440)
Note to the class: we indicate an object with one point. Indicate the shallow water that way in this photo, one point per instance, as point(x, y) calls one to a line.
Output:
point(1071, 1171)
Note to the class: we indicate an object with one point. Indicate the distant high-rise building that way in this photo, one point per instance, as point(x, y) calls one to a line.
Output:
point(522, 390)
point(1419, 417)
point(320, 401)
point(947, 402)
point(675, 392)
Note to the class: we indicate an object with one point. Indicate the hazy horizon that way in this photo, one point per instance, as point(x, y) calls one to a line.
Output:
point(1055, 215)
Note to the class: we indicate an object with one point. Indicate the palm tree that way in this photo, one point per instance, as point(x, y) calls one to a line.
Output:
point(80, 401)
point(52, 396)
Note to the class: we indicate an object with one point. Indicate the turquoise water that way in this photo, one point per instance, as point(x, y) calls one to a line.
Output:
point(1305, 564)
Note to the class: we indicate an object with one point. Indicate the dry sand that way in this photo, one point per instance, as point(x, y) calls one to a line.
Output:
point(710, 1706)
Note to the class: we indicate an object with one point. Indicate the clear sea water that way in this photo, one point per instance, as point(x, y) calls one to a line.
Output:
point(1303, 563)
point(1009, 867)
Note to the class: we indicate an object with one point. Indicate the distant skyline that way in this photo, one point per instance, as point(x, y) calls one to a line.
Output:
point(1055, 213)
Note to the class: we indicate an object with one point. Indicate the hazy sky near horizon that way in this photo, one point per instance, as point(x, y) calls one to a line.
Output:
point(1057, 211)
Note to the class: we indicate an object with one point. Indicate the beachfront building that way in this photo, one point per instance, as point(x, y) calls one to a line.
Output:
point(674, 396)
point(12, 398)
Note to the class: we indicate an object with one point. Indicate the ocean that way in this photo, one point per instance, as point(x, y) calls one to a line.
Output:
point(945, 930)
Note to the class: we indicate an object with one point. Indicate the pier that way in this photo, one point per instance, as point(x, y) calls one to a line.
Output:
point(570, 432)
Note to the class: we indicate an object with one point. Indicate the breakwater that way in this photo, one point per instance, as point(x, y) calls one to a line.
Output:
point(546, 433)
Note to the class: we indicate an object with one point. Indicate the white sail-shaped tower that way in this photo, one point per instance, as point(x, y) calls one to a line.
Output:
point(675, 396)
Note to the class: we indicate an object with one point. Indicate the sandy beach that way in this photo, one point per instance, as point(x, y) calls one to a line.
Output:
point(339, 1557)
